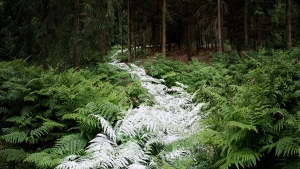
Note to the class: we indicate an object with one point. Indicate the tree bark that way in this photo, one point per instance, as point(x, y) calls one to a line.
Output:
point(121, 26)
point(134, 44)
point(129, 30)
point(101, 45)
point(246, 23)
point(219, 28)
point(44, 51)
point(144, 40)
point(288, 25)
point(257, 25)
point(164, 12)
point(76, 47)
point(189, 46)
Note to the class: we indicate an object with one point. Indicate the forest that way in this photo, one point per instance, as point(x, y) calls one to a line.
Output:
point(149, 84)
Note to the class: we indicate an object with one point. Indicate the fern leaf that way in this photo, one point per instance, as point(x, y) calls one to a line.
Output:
point(244, 158)
point(137, 166)
point(69, 144)
point(42, 160)
point(15, 137)
point(3, 109)
point(108, 130)
point(45, 128)
point(13, 154)
point(286, 146)
point(242, 126)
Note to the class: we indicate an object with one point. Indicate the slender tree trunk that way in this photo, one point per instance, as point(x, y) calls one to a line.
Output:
point(187, 6)
point(121, 27)
point(129, 30)
point(101, 45)
point(288, 25)
point(144, 40)
point(134, 55)
point(44, 35)
point(76, 46)
point(246, 23)
point(164, 41)
point(219, 28)
point(122, 44)
point(197, 38)
point(257, 24)
point(222, 26)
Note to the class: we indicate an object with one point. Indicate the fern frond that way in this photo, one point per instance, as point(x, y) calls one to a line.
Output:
point(285, 146)
point(244, 158)
point(133, 152)
point(127, 129)
point(69, 144)
point(42, 160)
point(15, 137)
point(85, 121)
point(45, 128)
point(3, 109)
point(136, 166)
point(13, 154)
point(242, 126)
point(107, 128)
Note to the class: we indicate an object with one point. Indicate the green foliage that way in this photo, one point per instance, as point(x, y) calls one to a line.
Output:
point(252, 105)
point(254, 117)
point(38, 108)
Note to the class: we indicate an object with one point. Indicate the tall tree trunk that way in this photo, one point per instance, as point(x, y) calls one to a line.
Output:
point(44, 35)
point(219, 28)
point(121, 26)
point(246, 23)
point(189, 46)
point(122, 44)
point(257, 25)
point(76, 45)
point(288, 25)
point(101, 45)
point(129, 30)
point(144, 40)
point(134, 44)
point(164, 41)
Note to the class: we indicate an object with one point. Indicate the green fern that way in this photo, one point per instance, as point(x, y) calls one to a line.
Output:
point(13, 155)
point(69, 144)
point(15, 137)
point(242, 158)
point(43, 160)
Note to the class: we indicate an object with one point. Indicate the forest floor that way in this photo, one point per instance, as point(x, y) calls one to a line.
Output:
point(182, 54)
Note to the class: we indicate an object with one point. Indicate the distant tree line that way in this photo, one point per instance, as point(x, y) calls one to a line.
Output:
point(75, 32)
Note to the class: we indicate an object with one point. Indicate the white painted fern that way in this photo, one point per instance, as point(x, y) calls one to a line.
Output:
point(126, 145)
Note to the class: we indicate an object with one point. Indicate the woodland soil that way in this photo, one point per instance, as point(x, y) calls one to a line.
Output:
point(204, 55)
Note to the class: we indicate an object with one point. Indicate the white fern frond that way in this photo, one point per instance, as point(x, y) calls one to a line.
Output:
point(126, 129)
point(108, 130)
point(136, 166)
point(133, 152)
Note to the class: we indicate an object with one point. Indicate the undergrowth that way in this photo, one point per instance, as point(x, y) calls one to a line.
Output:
point(46, 115)
point(252, 107)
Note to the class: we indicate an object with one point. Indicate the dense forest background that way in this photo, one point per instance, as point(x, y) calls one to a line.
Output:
point(62, 103)
point(74, 33)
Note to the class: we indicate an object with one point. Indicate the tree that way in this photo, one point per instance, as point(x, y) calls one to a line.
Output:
point(288, 25)
point(219, 27)
point(76, 45)
point(246, 22)
point(129, 30)
point(164, 13)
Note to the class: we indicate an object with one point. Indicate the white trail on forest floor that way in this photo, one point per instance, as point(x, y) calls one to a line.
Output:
point(173, 116)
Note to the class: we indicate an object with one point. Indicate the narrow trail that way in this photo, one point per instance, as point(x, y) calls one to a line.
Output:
point(172, 116)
